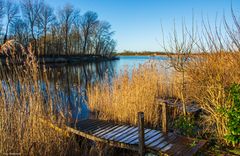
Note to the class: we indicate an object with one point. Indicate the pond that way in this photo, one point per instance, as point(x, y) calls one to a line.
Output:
point(69, 81)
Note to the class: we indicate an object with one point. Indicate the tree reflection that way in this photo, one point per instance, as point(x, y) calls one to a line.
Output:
point(67, 83)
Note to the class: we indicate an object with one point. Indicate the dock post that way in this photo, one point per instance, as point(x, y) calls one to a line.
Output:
point(141, 133)
point(164, 118)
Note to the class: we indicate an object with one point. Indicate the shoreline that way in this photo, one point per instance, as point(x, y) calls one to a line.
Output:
point(67, 59)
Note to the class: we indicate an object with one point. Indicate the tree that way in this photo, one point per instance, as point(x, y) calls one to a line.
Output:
point(45, 19)
point(182, 48)
point(67, 16)
point(1, 12)
point(19, 29)
point(102, 38)
point(11, 10)
point(88, 23)
point(31, 10)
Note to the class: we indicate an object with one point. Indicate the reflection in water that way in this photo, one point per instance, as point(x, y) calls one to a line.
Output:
point(68, 82)
point(71, 82)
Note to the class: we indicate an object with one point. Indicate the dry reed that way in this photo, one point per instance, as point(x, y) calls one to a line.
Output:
point(132, 92)
point(209, 77)
point(23, 105)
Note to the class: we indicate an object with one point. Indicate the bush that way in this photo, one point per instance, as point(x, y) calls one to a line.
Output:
point(185, 125)
point(208, 79)
point(233, 115)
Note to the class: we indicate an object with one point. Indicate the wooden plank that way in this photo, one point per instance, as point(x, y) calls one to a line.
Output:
point(109, 142)
point(87, 124)
point(156, 142)
point(103, 130)
point(93, 127)
point(135, 137)
point(167, 141)
point(114, 132)
point(170, 141)
point(106, 130)
point(148, 134)
point(109, 130)
point(126, 139)
point(151, 134)
point(127, 134)
point(121, 133)
point(179, 144)
point(152, 139)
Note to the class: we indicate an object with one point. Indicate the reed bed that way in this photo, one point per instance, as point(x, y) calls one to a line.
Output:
point(209, 78)
point(24, 106)
point(131, 92)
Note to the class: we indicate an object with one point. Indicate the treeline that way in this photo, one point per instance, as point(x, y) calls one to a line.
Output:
point(142, 53)
point(65, 31)
point(153, 53)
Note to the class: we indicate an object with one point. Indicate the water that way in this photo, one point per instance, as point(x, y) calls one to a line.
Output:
point(69, 81)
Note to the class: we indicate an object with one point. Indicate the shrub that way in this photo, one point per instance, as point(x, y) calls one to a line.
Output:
point(233, 115)
point(185, 125)
point(208, 78)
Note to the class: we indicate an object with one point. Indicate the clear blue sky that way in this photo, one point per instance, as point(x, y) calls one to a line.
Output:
point(137, 23)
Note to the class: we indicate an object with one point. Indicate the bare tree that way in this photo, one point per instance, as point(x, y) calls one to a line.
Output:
point(19, 29)
point(1, 13)
point(68, 33)
point(45, 19)
point(67, 15)
point(31, 10)
point(11, 10)
point(182, 48)
point(103, 38)
point(89, 22)
point(1, 9)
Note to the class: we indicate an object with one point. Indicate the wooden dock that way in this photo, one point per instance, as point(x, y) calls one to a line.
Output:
point(173, 103)
point(136, 138)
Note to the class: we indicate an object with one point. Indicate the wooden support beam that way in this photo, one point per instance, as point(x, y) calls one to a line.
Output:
point(141, 133)
point(164, 117)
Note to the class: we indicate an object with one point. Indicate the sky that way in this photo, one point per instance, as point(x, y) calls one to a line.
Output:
point(138, 23)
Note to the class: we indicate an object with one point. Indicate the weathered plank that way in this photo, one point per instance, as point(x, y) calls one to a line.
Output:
point(104, 128)
point(126, 136)
point(115, 132)
point(113, 127)
point(129, 129)
point(109, 142)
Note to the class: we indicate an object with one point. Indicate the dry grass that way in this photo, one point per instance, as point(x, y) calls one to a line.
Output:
point(130, 93)
point(23, 105)
point(208, 80)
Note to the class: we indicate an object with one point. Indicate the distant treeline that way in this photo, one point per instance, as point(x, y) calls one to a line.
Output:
point(65, 31)
point(152, 53)
point(142, 53)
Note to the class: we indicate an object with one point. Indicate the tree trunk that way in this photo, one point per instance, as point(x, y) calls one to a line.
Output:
point(6, 33)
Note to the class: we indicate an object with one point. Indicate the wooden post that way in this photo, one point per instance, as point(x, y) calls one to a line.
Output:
point(141, 133)
point(164, 118)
